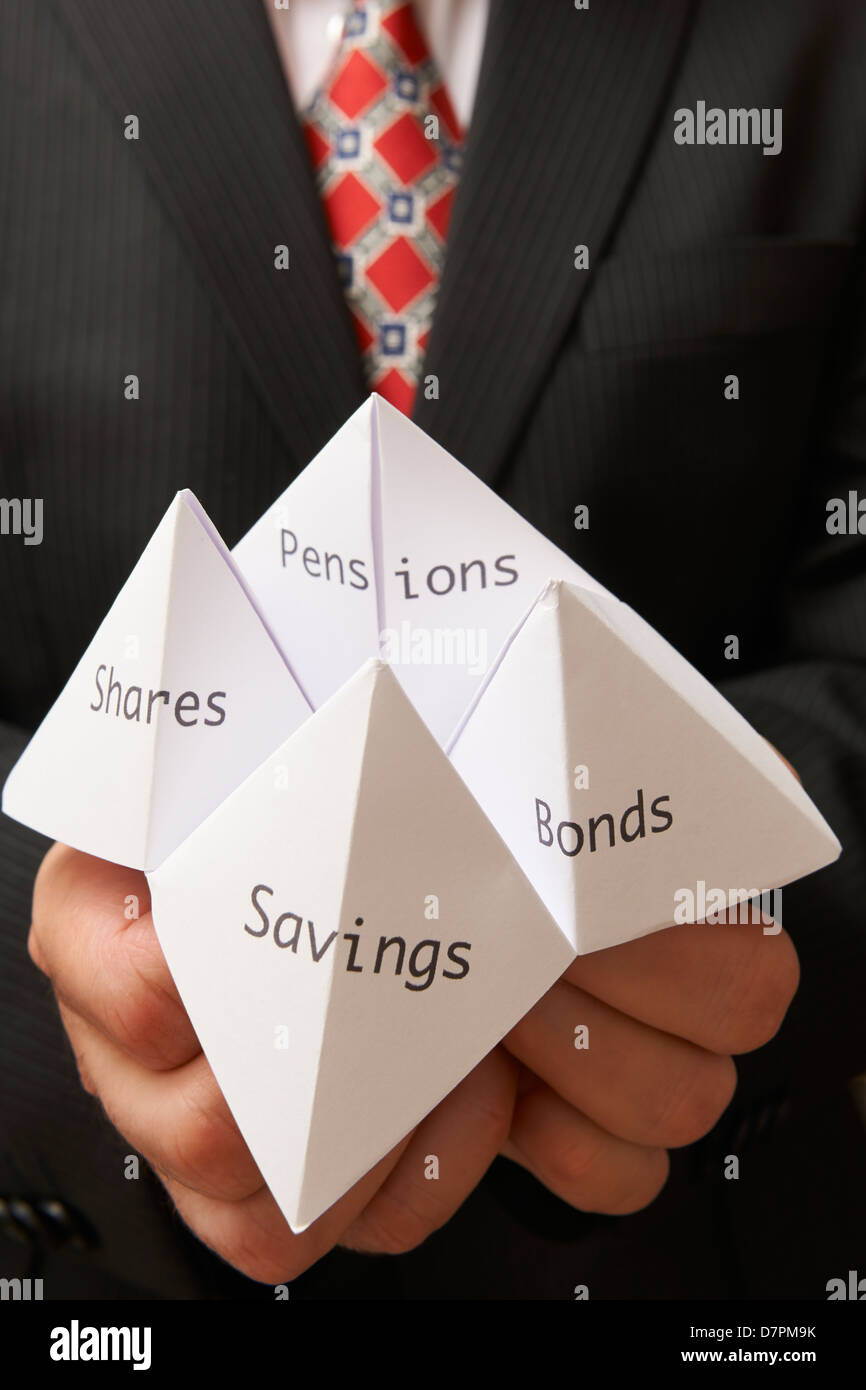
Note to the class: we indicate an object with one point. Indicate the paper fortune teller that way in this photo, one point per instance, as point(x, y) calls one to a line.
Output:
point(390, 765)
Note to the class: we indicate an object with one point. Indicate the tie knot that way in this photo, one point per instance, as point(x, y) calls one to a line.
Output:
point(384, 57)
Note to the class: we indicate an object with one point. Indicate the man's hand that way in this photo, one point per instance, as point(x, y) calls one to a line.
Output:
point(137, 1051)
point(663, 1017)
point(664, 1014)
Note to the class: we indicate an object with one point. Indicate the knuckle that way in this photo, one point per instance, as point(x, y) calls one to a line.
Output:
point(247, 1252)
point(158, 1029)
point(139, 1010)
point(389, 1237)
point(765, 994)
point(259, 1249)
point(491, 1119)
point(568, 1162)
point(691, 1101)
point(753, 992)
point(642, 1188)
point(202, 1151)
point(135, 1019)
point(391, 1226)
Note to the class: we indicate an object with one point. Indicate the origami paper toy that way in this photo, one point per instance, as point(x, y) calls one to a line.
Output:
point(390, 765)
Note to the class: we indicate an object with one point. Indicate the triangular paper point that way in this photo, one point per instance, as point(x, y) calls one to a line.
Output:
point(386, 543)
point(621, 779)
point(180, 693)
point(419, 942)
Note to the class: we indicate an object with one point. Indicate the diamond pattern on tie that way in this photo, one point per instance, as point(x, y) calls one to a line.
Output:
point(387, 175)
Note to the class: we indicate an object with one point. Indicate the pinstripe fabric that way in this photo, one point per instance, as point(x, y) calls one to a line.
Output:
point(238, 184)
point(559, 128)
point(155, 258)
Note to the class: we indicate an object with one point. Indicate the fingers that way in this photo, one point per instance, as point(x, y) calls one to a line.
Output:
point(180, 1123)
point(725, 987)
point(104, 965)
point(662, 1015)
point(639, 1084)
point(463, 1135)
point(178, 1120)
point(254, 1236)
point(581, 1163)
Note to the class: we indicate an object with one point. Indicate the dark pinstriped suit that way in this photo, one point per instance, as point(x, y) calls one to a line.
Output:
point(557, 386)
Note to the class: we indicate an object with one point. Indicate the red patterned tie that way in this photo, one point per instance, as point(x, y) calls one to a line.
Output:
point(385, 145)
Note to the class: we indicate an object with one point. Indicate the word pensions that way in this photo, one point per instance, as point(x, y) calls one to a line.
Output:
point(463, 576)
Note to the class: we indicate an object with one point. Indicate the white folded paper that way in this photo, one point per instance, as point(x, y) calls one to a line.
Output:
point(620, 778)
point(350, 937)
point(180, 694)
point(386, 546)
point(357, 903)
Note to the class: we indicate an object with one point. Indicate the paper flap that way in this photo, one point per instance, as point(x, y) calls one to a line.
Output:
point(309, 560)
point(333, 830)
point(179, 695)
point(620, 778)
point(385, 545)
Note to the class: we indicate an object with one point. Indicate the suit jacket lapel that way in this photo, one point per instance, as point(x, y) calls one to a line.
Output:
point(566, 103)
point(221, 142)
